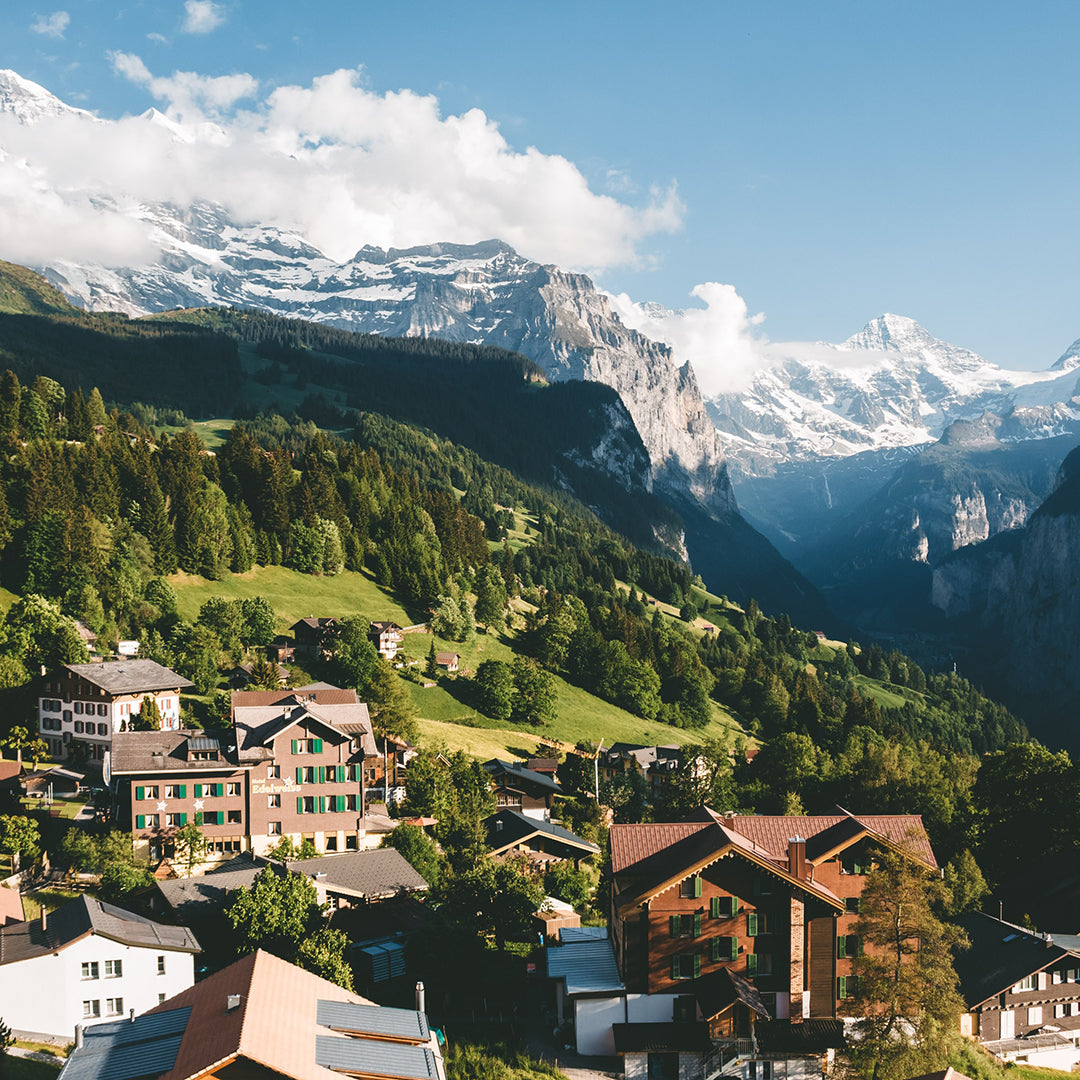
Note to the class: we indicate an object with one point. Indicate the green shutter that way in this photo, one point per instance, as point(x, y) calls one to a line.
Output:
point(341, 774)
point(697, 924)
point(674, 967)
point(294, 746)
point(183, 819)
point(751, 924)
point(198, 791)
point(676, 926)
point(841, 986)
point(299, 804)
point(733, 906)
point(341, 804)
point(140, 821)
point(751, 965)
point(322, 804)
point(219, 790)
point(697, 965)
point(140, 793)
point(841, 947)
point(316, 745)
point(299, 775)
point(714, 909)
point(183, 791)
point(714, 948)
point(697, 886)
point(322, 774)
point(858, 945)
point(199, 817)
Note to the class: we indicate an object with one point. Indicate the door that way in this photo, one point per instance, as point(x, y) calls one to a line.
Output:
point(1008, 1024)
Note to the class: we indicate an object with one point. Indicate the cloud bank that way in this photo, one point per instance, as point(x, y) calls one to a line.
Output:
point(343, 165)
point(52, 25)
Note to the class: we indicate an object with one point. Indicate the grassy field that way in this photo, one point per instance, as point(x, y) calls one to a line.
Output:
point(293, 595)
point(17, 1068)
point(51, 899)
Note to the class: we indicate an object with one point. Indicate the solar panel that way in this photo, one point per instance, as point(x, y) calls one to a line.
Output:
point(127, 1050)
point(373, 1058)
point(373, 1020)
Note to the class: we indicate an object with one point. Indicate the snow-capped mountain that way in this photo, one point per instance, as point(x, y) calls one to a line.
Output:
point(28, 102)
point(890, 385)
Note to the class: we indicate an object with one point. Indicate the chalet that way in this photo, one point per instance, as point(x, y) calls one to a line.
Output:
point(1022, 992)
point(448, 660)
point(281, 650)
point(512, 833)
point(657, 764)
point(261, 1018)
point(313, 636)
point(386, 637)
point(384, 775)
point(518, 788)
point(241, 675)
point(88, 961)
point(737, 921)
point(83, 705)
point(293, 765)
point(548, 766)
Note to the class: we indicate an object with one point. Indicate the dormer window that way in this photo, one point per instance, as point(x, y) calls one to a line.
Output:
point(203, 749)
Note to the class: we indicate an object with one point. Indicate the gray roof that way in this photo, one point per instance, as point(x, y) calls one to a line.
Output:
point(126, 1049)
point(370, 874)
point(572, 935)
point(515, 771)
point(83, 916)
point(373, 1058)
point(507, 827)
point(344, 1016)
point(130, 676)
point(588, 967)
point(258, 725)
point(196, 897)
point(137, 752)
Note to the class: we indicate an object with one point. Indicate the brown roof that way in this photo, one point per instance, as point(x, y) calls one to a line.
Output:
point(138, 752)
point(330, 695)
point(273, 1025)
point(11, 909)
point(8, 770)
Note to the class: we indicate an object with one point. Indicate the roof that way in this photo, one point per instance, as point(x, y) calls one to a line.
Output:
point(587, 967)
point(398, 916)
point(370, 875)
point(321, 693)
point(195, 897)
point(137, 752)
point(811, 1036)
point(447, 657)
point(382, 627)
point(313, 623)
point(641, 1038)
point(572, 935)
point(82, 917)
point(127, 1049)
point(11, 909)
point(507, 828)
point(1001, 954)
point(130, 676)
point(515, 771)
point(721, 989)
point(293, 1023)
point(258, 725)
point(9, 770)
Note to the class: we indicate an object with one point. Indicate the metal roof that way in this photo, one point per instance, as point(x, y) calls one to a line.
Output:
point(381, 872)
point(371, 1058)
point(573, 935)
point(202, 742)
point(126, 1049)
point(587, 967)
point(130, 676)
point(405, 1024)
point(507, 827)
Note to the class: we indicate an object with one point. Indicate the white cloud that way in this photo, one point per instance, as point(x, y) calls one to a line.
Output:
point(202, 16)
point(719, 339)
point(339, 163)
point(158, 39)
point(52, 25)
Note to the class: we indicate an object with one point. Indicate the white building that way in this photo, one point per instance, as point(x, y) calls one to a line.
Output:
point(87, 962)
point(86, 703)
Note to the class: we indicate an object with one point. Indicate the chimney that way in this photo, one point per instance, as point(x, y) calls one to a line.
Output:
point(78, 1036)
point(797, 856)
point(131, 1015)
point(421, 1000)
point(232, 1002)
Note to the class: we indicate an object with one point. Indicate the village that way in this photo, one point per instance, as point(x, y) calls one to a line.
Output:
point(719, 945)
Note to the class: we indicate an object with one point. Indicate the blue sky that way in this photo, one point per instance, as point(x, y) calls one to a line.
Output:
point(832, 161)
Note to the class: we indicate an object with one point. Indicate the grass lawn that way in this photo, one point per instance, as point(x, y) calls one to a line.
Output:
point(293, 595)
point(68, 807)
point(42, 1048)
point(50, 898)
point(17, 1068)
point(892, 697)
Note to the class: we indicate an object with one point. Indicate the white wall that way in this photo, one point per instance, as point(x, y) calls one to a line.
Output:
point(650, 1008)
point(593, 1018)
point(45, 994)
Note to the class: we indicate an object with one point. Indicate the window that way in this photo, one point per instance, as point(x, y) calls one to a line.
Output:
point(308, 804)
point(723, 948)
point(114, 969)
point(685, 1009)
point(759, 964)
point(846, 986)
point(1070, 974)
point(685, 925)
point(850, 863)
point(176, 791)
point(90, 970)
point(273, 802)
point(853, 905)
point(723, 907)
point(848, 945)
point(91, 1009)
point(80, 727)
point(690, 888)
point(350, 842)
point(307, 746)
point(331, 843)
point(78, 708)
point(67, 715)
point(161, 965)
point(114, 1006)
point(103, 710)
point(273, 772)
point(663, 1066)
point(160, 998)
point(273, 828)
point(236, 817)
point(1030, 983)
point(152, 821)
point(146, 791)
point(103, 729)
point(1034, 1015)
point(232, 789)
point(758, 922)
point(1063, 1009)
point(351, 802)
point(175, 819)
point(686, 966)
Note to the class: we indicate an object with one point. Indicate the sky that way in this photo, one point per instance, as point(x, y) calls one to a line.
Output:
point(786, 171)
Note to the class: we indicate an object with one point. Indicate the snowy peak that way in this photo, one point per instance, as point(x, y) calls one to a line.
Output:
point(1069, 359)
point(900, 334)
point(28, 102)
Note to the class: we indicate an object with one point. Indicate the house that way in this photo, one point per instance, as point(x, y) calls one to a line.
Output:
point(261, 1018)
point(127, 648)
point(384, 775)
point(88, 961)
point(448, 660)
point(10, 781)
point(518, 788)
point(1022, 992)
point(292, 765)
point(281, 650)
point(314, 637)
point(510, 832)
point(547, 765)
point(735, 921)
point(240, 676)
point(55, 781)
point(387, 638)
point(82, 705)
point(657, 764)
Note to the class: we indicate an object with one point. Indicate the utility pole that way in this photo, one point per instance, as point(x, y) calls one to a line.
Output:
point(596, 771)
